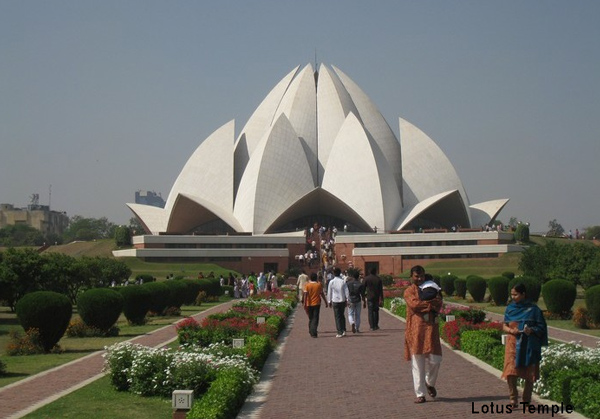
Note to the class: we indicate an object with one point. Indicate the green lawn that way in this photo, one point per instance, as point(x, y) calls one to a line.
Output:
point(485, 268)
point(100, 400)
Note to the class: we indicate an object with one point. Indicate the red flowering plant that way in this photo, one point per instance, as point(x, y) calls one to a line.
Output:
point(451, 331)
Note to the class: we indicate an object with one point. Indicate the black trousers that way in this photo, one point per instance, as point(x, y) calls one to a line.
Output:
point(373, 311)
point(313, 319)
point(340, 317)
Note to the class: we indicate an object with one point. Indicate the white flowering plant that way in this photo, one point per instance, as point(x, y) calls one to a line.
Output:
point(157, 372)
point(570, 373)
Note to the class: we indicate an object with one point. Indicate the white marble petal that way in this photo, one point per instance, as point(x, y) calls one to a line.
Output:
point(208, 173)
point(153, 218)
point(376, 125)
point(333, 105)
point(277, 175)
point(484, 212)
point(358, 174)
point(426, 170)
point(300, 107)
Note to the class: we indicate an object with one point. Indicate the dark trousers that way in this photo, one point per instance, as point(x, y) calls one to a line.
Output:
point(340, 317)
point(373, 311)
point(313, 319)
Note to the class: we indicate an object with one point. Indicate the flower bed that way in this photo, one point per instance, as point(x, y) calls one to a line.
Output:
point(220, 375)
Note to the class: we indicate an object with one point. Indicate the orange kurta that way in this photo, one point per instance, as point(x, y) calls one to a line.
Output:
point(421, 337)
point(531, 372)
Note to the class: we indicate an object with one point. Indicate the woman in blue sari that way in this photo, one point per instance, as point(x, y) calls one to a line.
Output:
point(527, 332)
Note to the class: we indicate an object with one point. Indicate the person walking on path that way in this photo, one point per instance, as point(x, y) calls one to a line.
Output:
point(374, 295)
point(422, 344)
point(301, 283)
point(337, 295)
point(356, 290)
point(311, 300)
point(527, 332)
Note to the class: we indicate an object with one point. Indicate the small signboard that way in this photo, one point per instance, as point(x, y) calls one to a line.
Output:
point(260, 320)
point(238, 343)
point(450, 318)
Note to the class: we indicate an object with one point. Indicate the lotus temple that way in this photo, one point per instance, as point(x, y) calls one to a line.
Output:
point(317, 171)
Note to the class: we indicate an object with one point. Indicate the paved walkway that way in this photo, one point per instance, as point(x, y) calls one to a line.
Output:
point(362, 375)
point(365, 375)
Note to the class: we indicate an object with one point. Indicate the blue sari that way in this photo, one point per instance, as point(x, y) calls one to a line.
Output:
point(529, 348)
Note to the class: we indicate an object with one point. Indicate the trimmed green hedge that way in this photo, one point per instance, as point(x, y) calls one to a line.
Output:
point(592, 303)
point(136, 303)
point(100, 307)
point(447, 284)
point(460, 285)
point(476, 286)
point(499, 290)
point(559, 295)
point(485, 345)
point(47, 311)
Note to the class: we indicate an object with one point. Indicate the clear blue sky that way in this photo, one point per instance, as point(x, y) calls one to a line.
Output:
point(102, 98)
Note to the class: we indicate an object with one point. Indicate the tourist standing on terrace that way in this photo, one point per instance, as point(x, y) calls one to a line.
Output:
point(422, 344)
point(527, 333)
point(337, 295)
point(311, 300)
point(374, 294)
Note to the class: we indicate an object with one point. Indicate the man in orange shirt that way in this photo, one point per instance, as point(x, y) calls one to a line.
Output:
point(311, 300)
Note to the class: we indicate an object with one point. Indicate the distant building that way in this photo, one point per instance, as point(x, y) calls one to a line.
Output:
point(149, 198)
point(39, 217)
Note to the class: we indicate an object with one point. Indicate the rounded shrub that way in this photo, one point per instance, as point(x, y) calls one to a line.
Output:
point(476, 286)
point(177, 292)
point(447, 284)
point(136, 303)
point(144, 278)
point(499, 289)
point(159, 296)
point(194, 286)
point(47, 311)
point(460, 287)
point(592, 303)
point(508, 274)
point(100, 307)
point(559, 295)
point(532, 284)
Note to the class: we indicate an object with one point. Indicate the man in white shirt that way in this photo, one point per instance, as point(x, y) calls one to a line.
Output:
point(301, 284)
point(338, 296)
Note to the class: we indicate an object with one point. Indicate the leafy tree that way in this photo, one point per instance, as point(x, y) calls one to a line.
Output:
point(103, 271)
point(592, 233)
point(513, 222)
point(21, 274)
point(522, 233)
point(136, 227)
point(555, 229)
point(123, 236)
point(591, 274)
point(558, 261)
point(81, 228)
point(65, 274)
point(21, 235)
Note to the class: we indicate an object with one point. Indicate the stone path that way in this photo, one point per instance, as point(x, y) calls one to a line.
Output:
point(362, 375)
point(365, 375)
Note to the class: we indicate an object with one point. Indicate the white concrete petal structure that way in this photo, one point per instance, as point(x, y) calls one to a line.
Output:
point(316, 148)
point(358, 174)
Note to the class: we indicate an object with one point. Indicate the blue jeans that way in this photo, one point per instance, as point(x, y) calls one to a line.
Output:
point(354, 314)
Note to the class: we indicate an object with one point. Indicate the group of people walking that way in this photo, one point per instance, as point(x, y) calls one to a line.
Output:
point(523, 323)
point(340, 294)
